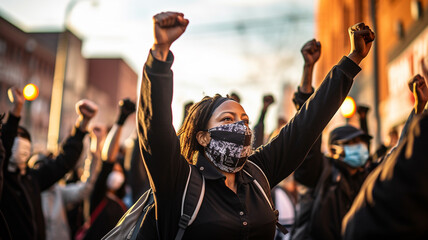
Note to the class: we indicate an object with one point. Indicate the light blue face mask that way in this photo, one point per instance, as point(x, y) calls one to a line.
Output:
point(356, 155)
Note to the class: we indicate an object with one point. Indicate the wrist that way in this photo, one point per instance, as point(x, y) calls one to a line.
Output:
point(121, 119)
point(356, 58)
point(16, 110)
point(160, 51)
point(82, 123)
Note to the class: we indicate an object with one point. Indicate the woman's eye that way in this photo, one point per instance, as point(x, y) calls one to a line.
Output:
point(227, 119)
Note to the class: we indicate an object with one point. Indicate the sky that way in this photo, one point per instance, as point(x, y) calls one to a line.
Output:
point(251, 47)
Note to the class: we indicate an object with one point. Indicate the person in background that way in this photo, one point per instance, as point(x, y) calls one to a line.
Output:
point(4, 228)
point(59, 196)
point(21, 200)
point(235, 97)
point(259, 129)
point(216, 138)
point(392, 203)
point(107, 206)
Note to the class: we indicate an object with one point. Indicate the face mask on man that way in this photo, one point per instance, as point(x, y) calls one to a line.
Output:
point(356, 155)
point(115, 180)
point(230, 146)
point(21, 150)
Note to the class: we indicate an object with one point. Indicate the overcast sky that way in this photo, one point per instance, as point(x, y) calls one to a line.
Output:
point(248, 46)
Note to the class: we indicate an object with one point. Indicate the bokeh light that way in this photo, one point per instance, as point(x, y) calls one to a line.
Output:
point(348, 107)
point(30, 92)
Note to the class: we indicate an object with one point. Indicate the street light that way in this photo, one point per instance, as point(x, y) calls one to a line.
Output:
point(30, 92)
point(348, 107)
point(61, 63)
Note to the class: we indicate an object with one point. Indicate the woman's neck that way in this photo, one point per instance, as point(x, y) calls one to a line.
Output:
point(230, 181)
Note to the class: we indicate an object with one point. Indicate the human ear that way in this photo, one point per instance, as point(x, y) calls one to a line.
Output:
point(203, 138)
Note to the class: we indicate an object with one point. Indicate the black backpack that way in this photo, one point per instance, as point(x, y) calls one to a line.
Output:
point(130, 223)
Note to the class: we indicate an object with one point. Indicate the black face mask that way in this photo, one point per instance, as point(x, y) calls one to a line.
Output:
point(230, 146)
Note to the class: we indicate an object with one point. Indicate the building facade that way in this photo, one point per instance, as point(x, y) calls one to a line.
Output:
point(32, 57)
point(401, 43)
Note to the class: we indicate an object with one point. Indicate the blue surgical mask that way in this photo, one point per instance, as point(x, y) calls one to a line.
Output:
point(356, 155)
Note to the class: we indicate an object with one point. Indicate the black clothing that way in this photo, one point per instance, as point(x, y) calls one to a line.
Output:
point(21, 201)
point(331, 191)
point(113, 210)
point(224, 214)
point(4, 228)
point(392, 203)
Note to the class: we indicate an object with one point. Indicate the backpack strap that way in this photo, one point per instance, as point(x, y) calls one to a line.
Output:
point(264, 188)
point(192, 200)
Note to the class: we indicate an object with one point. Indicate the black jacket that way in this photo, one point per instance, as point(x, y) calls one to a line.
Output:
point(21, 201)
point(392, 203)
point(224, 214)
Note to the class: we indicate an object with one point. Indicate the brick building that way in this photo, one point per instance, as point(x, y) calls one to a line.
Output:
point(401, 42)
point(31, 57)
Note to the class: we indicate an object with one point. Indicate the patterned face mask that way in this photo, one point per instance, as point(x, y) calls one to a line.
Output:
point(230, 146)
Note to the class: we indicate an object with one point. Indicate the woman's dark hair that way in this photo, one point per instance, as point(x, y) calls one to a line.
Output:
point(196, 120)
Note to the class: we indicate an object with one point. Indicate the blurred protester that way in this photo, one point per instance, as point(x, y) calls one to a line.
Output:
point(280, 122)
point(392, 203)
point(233, 206)
point(186, 110)
point(21, 200)
point(259, 129)
point(4, 229)
point(138, 179)
point(235, 97)
point(106, 205)
point(324, 205)
point(59, 196)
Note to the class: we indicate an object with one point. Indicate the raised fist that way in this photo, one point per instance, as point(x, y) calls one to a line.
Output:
point(168, 26)
point(127, 107)
point(268, 100)
point(419, 86)
point(361, 37)
point(311, 52)
point(86, 109)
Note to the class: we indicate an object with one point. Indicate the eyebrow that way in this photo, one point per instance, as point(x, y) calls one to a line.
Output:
point(233, 113)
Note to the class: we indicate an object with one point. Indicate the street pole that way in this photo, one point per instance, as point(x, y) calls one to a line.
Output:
point(60, 74)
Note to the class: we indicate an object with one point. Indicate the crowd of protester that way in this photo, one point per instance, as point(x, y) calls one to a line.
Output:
point(346, 192)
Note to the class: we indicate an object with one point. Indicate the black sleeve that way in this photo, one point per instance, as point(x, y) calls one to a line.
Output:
point(2, 158)
point(100, 187)
point(395, 192)
point(9, 132)
point(310, 170)
point(138, 179)
point(286, 152)
point(259, 130)
point(54, 170)
point(167, 169)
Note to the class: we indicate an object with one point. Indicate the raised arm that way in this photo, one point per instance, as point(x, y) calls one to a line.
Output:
point(52, 171)
point(159, 143)
point(10, 128)
point(112, 144)
point(259, 129)
point(309, 171)
point(287, 151)
point(75, 192)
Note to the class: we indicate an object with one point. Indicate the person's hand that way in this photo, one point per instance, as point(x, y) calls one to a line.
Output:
point(418, 85)
point(86, 110)
point(267, 101)
point(127, 107)
point(168, 26)
point(361, 37)
point(18, 100)
point(98, 135)
point(362, 111)
point(311, 52)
